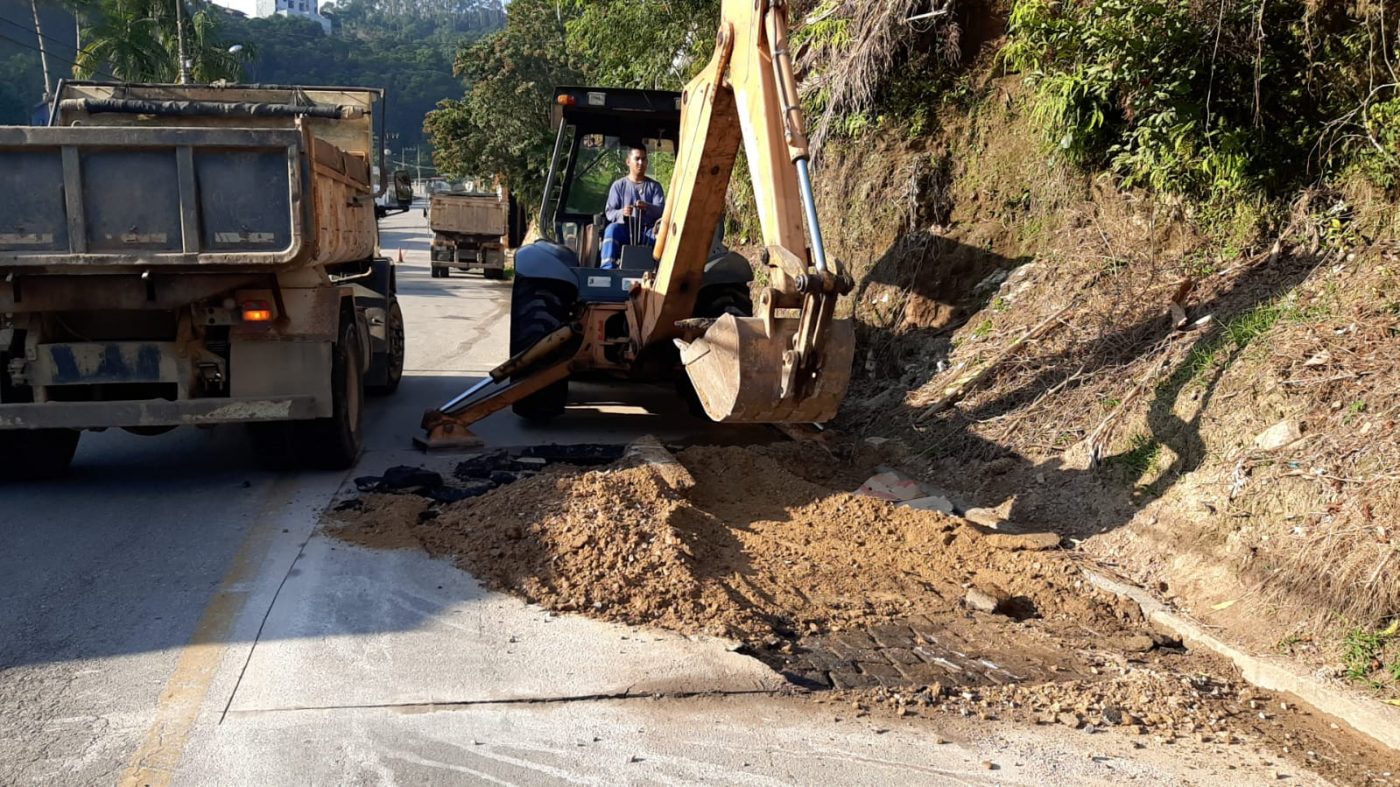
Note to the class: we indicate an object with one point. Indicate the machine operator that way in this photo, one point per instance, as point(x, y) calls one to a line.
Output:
point(635, 205)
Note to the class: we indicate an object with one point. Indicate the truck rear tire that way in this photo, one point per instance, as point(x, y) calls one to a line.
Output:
point(495, 274)
point(538, 307)
point(393, 351)
point(334, 443)
point(331, 443)
point(36, 454)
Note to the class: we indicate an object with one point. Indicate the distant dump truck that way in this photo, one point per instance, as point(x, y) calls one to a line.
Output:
point(175, 255)
point(472, 230)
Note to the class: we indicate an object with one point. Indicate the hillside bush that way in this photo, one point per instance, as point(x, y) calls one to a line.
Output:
point(1213, 99)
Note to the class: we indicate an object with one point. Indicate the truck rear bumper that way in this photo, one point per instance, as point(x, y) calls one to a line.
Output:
point(98, 415)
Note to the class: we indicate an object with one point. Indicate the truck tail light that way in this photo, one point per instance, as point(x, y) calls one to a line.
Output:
point(257, 311)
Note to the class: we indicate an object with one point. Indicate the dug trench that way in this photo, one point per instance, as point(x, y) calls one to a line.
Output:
point(885, 609)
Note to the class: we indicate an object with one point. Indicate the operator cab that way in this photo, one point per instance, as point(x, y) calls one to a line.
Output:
point(595, 128)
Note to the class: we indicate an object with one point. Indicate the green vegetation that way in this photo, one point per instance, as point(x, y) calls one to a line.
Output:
point(136, 40)
point(501, 124)
point(1234, 336)
point(406, 48)
point(1139, 460)
point(1254, 97)
point(1364, 653)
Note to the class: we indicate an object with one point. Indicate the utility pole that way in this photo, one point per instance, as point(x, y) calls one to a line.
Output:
point(43, 50)
point(180, 41)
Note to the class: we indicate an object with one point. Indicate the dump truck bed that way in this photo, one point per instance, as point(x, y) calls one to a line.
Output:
point(197, 178)
point(468, 214)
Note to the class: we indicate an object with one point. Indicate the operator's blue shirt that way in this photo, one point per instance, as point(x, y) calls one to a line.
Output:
point(624, 192)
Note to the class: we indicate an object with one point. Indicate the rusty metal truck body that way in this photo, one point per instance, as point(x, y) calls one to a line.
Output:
point(471, 230)
point(174, 255)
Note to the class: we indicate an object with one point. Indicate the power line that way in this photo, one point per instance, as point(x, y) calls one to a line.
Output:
point(33, 48)
point(30, 30)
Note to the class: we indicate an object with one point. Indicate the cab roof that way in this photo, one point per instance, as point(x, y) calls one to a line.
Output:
point(619, 112)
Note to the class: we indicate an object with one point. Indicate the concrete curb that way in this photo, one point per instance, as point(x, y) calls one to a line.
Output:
point(1369, 717)
point(649, 451)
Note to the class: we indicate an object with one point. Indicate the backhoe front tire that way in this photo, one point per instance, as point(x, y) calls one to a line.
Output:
point(538, 307)
point(36, 454)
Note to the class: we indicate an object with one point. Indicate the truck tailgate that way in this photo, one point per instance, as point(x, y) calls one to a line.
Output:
point(468, 214)
point(103, 196)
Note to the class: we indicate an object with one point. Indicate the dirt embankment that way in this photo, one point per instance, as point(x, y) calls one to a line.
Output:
point(1237, 382)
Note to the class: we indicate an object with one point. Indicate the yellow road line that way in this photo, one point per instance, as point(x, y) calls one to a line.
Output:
point(155, 761)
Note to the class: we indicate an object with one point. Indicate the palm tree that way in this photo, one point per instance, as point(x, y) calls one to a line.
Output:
point(138, 41)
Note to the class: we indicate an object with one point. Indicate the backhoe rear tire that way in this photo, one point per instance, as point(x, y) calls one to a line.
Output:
point(36, 454)
point(538, 307)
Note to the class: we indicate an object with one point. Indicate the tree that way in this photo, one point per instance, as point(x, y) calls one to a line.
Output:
point(657, 44)
point(136, 40)
point(502, 124)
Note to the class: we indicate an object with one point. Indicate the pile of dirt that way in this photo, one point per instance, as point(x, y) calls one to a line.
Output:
point(746, 549)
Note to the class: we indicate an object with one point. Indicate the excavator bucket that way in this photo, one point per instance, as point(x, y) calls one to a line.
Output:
point(737, 370)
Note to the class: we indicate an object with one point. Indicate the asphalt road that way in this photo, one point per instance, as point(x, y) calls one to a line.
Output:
point(169, 614)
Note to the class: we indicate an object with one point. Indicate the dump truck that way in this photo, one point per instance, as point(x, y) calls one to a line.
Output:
point(471, 230)
point(193, 255)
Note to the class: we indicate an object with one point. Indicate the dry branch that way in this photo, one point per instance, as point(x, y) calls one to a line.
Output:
point(959, 388)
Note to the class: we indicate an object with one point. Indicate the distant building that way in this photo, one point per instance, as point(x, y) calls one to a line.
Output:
point(306, 9)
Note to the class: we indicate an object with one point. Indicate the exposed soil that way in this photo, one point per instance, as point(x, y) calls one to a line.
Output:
point(852, 593)
point(749, 551)
point(1183, 705)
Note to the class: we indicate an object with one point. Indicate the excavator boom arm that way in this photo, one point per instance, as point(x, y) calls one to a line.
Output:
point(765, 368)
point(746, 94)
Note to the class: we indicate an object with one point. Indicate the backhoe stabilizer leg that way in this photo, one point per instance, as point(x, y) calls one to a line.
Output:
point(448, 427)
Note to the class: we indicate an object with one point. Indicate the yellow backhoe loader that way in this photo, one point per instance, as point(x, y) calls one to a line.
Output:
point(684, 302)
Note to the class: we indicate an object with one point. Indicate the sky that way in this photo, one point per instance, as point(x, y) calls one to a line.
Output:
point(246, 6)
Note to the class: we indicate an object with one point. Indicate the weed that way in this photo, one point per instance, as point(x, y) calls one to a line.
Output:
point(983, 330)
point(1234, 336)
point(1168, 97)
point(1363, 649)
point(1115, 265)
point(1141, 458)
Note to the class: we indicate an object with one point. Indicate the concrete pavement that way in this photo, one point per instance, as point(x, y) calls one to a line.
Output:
point(172, 615)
